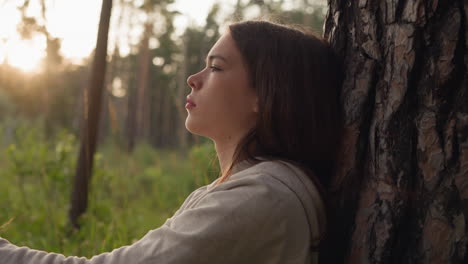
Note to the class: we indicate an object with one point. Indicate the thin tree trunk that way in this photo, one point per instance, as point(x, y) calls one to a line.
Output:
point(142, 105)
point(130, 123)
point(403, 179)
point(167, 119)
point(92, 107)
point(179, 100)
point(138, 118)
point(159, 119)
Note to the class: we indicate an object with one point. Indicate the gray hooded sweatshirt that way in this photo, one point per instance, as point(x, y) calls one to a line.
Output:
point(269, 212)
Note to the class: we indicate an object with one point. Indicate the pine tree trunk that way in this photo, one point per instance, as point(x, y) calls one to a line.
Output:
point(402, 188)
point(143, 78)
point(179, 99)
point(137, 121)
point(91, 114)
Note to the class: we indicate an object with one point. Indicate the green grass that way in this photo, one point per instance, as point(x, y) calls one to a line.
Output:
point(130, 193)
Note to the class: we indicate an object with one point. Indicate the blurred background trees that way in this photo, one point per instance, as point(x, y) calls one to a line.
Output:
point(146, 162)
point(409, 163)
point(145, 89)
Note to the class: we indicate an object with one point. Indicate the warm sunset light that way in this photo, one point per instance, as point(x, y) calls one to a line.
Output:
point(24, 54)
point(75, 23)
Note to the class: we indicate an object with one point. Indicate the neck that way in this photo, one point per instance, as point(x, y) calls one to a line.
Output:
point(225, 149)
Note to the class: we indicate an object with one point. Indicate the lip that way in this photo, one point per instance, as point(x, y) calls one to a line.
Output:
point(190, 104)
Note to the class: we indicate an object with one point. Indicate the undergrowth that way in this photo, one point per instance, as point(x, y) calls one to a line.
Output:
point(131, 193)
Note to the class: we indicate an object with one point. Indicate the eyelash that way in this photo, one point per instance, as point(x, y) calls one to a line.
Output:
point(214, 69)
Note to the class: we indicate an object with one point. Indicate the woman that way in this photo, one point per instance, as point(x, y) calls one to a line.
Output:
point(268, 99)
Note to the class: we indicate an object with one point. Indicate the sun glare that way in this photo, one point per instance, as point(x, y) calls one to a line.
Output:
point(76, 24)
point(22, 54)
point(25, 55)
point(65, 20)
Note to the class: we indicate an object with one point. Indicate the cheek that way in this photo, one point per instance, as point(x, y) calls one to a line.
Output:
point(209, 115)
point(223, 106)
point(237, 108)
point(241, 99)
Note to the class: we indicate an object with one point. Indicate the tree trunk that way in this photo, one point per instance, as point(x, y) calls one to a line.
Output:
point(179, 99)
point(143, 78)
point(90, 123)
point(402, 187)
point(138, 125)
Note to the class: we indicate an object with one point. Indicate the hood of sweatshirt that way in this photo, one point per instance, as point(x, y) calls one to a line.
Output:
point(298, 182)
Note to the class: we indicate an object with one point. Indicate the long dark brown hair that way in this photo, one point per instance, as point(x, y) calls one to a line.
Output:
point(296, 76)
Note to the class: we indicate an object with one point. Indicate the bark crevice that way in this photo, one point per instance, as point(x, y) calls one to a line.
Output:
point(405, 103)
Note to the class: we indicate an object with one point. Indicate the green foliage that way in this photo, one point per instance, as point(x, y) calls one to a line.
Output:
point(36, 176)
point(6, 107)
point(205, 167)
point(130, 193)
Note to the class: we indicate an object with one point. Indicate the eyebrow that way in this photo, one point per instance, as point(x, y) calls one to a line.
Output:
point(212, 57)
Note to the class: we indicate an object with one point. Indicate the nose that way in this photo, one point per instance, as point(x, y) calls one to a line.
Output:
point(194, 81)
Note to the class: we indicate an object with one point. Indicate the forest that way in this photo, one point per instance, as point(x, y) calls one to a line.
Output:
point(94, 152)
point(146, 163)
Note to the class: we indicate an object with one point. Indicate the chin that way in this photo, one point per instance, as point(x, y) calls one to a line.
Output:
point(192, 126)
point(199, 128)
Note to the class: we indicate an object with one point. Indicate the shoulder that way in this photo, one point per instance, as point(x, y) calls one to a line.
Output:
point(285, 182)
point(268, 182)
point(266, 173)
point(262, 182)
point(279, 175)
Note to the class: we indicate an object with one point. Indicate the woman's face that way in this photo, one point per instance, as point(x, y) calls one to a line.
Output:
point(222, 105)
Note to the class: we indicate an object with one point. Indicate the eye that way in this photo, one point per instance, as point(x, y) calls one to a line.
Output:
point(214, 68)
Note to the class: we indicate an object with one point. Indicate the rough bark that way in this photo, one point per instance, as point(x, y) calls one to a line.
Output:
point(402, 188)
point(90, 121)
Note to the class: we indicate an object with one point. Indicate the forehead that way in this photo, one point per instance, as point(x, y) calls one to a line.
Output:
point(225, 47)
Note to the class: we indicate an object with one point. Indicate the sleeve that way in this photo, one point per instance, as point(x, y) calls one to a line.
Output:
point(236, 225)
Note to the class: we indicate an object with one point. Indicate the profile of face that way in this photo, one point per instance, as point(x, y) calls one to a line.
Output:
point(222, 104)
